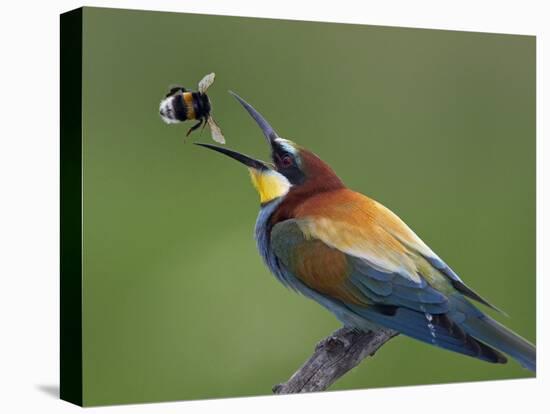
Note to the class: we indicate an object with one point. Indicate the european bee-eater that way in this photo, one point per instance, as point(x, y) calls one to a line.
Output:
point(362, 262)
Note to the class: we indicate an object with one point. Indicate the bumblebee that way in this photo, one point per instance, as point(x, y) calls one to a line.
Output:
point(181, 104)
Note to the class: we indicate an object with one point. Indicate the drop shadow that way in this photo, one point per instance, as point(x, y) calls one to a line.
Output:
point(49, 389)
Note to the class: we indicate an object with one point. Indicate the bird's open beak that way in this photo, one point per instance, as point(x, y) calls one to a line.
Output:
point(245, 159)
point(269, 183)
point(267, 130)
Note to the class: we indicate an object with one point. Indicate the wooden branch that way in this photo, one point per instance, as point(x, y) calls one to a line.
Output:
point(335, 355)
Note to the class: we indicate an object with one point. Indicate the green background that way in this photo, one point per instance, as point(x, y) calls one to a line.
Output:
point(437, 125)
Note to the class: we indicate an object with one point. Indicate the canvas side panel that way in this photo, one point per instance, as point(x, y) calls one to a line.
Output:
point(71, 207)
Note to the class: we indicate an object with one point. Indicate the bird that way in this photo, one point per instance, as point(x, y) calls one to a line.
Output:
point(360, 261)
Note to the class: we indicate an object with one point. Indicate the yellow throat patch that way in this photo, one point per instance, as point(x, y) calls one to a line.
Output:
point(269, 184)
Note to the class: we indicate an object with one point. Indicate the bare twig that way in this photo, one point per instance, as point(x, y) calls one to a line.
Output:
point(335, 355)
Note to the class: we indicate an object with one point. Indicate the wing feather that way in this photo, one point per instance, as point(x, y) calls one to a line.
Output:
point(414, 309)
point(362, 258)
point(365, 229)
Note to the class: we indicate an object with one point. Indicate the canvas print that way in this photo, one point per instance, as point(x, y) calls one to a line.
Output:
point(256, 206)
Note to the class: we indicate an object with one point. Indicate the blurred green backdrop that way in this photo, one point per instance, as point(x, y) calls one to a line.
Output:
point(437, 125)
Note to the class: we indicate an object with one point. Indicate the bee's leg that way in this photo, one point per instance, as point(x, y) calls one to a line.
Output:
point(198, 124)
point(204, 121)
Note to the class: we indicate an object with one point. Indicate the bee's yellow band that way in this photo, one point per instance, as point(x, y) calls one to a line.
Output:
point(188, 99)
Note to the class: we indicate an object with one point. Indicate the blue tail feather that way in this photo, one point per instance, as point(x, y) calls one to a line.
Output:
point(464, 329)
point(436, 329)
point(498, 336)
point(487, 330)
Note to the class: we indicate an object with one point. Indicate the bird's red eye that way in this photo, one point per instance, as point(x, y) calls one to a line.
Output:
point(286, 161)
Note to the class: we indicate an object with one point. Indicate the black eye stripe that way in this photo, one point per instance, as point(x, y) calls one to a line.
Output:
point(282, 155)
point(286, 160)
point(291, 170)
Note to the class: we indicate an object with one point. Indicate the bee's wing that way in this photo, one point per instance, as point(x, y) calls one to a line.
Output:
point(205, 82)
point(215, 131)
